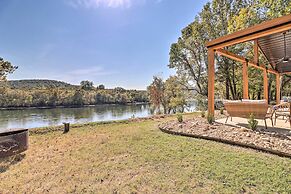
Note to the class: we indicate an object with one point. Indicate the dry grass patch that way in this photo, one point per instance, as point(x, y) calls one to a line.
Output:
point(137, 157)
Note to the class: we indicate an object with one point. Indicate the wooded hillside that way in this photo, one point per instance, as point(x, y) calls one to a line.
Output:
point(51, 93)
point(36, 83)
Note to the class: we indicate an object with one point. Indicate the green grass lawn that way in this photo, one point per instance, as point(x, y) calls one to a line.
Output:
point(137, 157)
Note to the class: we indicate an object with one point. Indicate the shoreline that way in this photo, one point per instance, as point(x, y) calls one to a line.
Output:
point(48, 129)
point(70, 106)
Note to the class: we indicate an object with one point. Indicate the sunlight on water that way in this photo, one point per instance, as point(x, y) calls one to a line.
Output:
point(31, 118)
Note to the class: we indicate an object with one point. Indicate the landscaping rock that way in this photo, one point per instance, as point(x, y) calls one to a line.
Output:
point(199, 126)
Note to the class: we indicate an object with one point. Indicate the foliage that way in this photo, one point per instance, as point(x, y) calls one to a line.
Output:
point(180, 117)
point(119, 89)
point(101, 87)
point(5, 68)
point(175, 95)
point(253, 124)
point(188, 55)
point(77, 98)
point(202, 102)
point(86, 85)
point(203, 114)
point(37, 83)
point(48, 94)
point(156, 93)
point(210, 118)
point(167, 95)
point(221, 110)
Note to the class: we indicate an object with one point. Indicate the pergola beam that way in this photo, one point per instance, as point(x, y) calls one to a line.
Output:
point(242, 60)
point(264, 29)
point(285, 73)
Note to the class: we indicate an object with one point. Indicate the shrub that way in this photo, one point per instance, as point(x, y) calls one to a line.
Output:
point(202, 114)
point(221, 110)
point(210, 118)
point(253, 123)
point(180, 118)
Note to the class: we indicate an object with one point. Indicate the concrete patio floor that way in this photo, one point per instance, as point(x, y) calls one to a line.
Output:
point(281, 126)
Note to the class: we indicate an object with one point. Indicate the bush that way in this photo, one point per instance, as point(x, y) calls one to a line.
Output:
point(210, 118)
point(221, 110)
point(180, 118)
point(202, 114)
point(253, 123)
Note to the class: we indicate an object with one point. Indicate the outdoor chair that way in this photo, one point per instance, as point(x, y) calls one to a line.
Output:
point(283, 110)
point(244, 108)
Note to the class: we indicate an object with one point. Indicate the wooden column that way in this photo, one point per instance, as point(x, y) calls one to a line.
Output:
point(245, 81)
point(266, 95)
point(278, 88)
point(256, 52)
point(211, 79)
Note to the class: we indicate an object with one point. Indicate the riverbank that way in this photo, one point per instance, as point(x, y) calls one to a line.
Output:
point(135, 156)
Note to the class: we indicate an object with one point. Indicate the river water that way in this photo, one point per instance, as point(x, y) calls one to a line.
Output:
point(32, 118)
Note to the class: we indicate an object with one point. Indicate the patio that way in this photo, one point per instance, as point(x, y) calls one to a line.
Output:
point(281, 127)
point(271, 39)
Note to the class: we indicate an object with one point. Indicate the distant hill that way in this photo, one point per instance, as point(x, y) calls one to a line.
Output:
point(38, 83)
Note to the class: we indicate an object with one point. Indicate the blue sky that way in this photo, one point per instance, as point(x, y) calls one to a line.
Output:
point(112, 42)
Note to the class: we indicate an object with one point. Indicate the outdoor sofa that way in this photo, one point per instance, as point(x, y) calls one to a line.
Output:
point(244, 108)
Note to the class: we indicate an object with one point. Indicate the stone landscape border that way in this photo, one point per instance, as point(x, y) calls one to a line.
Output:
point(225, 141)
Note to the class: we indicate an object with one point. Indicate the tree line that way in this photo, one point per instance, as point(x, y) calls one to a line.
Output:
point(68, 97)
point(50, 96)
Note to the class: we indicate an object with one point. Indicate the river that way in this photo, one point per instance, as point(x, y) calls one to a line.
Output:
point(32, 118)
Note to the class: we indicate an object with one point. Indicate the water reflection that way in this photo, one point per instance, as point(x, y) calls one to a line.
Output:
point(30, 118)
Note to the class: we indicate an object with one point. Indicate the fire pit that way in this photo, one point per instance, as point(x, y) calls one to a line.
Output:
point(13, 141)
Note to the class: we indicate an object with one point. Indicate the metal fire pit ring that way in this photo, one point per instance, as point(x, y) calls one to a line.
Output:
point(13, 141)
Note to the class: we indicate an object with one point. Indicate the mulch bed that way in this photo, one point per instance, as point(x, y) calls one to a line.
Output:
point(271, 142)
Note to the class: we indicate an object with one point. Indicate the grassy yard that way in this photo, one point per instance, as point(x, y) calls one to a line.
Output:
point(137, 157)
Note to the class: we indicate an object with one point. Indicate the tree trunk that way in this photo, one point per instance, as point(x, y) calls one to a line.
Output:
point(227, 88)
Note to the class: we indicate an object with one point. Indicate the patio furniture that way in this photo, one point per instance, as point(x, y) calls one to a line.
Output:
point(243, 109)
point(283, 110)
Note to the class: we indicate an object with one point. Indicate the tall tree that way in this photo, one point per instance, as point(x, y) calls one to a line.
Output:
point(5, 68)
point(175, 94)
point(156, 93)
point(86, 85)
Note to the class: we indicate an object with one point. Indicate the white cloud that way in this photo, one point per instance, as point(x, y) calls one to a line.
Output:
point(107, 3)
point(92, 71)
point(100, 3)
point(77, 75)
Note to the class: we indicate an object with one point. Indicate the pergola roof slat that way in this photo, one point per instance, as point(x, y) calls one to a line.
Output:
point(274, 50)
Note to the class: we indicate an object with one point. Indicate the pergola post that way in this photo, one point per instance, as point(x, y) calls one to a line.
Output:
point(266, 95)
point(278, 88)
point(211, 79)
point(245, 81)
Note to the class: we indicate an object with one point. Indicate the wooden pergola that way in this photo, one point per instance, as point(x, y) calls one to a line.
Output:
point(271, 37)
